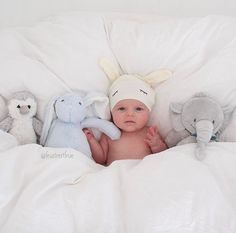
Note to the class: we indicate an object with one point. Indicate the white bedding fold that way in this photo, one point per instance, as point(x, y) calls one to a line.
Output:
point(61, 190)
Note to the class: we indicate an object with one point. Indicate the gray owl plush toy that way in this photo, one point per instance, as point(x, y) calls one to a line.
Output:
point(21, 121)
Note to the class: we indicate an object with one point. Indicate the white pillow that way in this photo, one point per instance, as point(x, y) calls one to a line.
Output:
point(201, 52)
point(62, 53)
point(51, 57)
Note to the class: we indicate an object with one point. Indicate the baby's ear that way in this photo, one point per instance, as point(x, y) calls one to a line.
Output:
point(110, 70)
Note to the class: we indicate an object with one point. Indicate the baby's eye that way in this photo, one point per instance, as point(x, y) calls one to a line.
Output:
point(138, 109)
point(121, 109)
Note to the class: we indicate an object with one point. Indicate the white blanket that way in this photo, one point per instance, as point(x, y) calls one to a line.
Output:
point(60, 190)
point(7, 141)
point(45, 190)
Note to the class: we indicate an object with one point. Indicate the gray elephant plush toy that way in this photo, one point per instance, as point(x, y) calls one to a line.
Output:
point(200, 119)
point(21, 121)
point(66, 117)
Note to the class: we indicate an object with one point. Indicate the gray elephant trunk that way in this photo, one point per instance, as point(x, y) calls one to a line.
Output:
point(204, 130)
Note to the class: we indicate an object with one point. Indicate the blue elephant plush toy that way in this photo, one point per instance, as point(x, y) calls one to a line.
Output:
point(67, 116)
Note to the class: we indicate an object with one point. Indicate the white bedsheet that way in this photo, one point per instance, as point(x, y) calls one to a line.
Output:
point(61, 190)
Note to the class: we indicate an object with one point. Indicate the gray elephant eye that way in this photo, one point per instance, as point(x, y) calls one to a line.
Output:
point(213, 122)
point(195, 120)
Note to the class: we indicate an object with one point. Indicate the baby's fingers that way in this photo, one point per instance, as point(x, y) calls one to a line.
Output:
point(153, 130)
point(88, 133)
point(148, 141)
point(149, 136)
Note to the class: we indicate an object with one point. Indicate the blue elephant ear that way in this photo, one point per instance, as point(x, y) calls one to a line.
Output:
point(50, 115)
point(98, 105)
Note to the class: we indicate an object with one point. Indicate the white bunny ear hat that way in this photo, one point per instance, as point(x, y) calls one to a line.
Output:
point(133, 86)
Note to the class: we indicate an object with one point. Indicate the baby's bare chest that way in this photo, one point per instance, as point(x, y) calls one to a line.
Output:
point(128, 148)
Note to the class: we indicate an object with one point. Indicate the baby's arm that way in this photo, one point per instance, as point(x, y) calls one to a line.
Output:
point(99, 149)
point(154, 140)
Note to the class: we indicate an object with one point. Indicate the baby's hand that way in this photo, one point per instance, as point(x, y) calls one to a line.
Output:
point(88, 133)
point(154, 140)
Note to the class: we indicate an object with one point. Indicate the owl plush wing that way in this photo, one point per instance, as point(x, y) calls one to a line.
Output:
point(6, 124)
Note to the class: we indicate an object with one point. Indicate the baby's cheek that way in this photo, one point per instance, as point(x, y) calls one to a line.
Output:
point(144, 119)
point(116, 120)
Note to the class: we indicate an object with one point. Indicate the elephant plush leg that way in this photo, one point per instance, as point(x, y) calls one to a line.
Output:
point(189, 139)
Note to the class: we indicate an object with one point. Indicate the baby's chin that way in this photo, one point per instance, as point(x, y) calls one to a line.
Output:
point(131, 129)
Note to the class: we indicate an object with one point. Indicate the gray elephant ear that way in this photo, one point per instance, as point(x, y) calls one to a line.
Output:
point(3, 108)
point(175, 116)
point(228, 113)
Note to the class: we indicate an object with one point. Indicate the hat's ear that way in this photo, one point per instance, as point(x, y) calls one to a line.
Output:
point(98, 105)
point(50, 115)
point(110, 70)
point(157, 77)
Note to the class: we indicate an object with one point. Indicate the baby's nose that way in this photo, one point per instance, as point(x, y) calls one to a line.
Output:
point(130, 112)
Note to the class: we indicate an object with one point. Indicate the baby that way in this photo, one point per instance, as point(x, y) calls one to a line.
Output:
point(131, 100)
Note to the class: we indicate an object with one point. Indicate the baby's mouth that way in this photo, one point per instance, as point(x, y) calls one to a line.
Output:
point(129, 122)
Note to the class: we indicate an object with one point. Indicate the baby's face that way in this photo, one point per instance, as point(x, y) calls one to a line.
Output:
point(130, 115)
